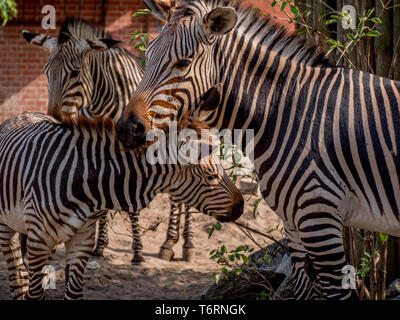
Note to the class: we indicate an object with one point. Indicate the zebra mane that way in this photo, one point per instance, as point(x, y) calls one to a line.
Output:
point(77, 28)
point(276, 36)
point(106, 126)
point(84, 121)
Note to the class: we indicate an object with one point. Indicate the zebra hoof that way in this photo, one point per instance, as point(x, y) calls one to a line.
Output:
point(166, 254)
point(137, 260)
point(98, 252)
point(188, 254)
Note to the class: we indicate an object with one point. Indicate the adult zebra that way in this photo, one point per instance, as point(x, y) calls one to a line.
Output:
point(55, 179)
point(88, 70)
point(326, 138)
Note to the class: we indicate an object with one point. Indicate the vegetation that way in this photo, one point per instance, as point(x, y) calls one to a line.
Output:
point(8, 11)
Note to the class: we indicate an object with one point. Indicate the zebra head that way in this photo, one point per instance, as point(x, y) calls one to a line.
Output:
point(70, 83)
point(202, 182)
point(180, 66)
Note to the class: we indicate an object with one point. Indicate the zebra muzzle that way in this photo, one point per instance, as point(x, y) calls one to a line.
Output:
point(235, 212)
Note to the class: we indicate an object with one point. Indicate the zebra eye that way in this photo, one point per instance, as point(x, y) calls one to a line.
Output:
point(182, 64)
point(74, 73)
point(212, 177)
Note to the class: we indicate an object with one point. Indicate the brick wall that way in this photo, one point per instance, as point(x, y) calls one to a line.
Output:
point(23, 86)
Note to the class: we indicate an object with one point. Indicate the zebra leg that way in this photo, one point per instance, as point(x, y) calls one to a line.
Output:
point(77, 253)
point(188, 247)
point(17, 273)
point(321, 235)
point(166, 251)
point(39, 248)
point(137, 246)
point(303, 275)
point(102, 239)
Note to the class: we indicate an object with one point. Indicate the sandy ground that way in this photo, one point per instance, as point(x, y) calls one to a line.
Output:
point(156, 279)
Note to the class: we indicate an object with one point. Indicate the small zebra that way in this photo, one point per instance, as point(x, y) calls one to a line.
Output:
point(57, 178)
point(88, 70)
point(326, 138)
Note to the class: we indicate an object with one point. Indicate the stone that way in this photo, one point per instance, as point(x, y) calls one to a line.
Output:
point(393, 290)
point(248, 285)
point(92, 265)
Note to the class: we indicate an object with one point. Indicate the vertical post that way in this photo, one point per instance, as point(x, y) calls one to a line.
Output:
point(384, 43)
point(396, 39)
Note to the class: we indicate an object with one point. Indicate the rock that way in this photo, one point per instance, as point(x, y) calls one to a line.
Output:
point(92, 265)
point(393, 290)
point(285, 290)
point(247, 185)
point(250, 283)
point(280, 259)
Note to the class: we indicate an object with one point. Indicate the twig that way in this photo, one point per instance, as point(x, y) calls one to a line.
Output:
point(262, 234)
point(250, 237)
point(396, 51)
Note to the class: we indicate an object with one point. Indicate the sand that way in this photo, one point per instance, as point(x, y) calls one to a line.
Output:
point(157, 279)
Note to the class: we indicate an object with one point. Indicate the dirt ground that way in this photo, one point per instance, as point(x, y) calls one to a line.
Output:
point(116, 278)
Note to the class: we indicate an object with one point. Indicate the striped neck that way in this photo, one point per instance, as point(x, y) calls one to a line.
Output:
point(116, 74)
point(262, 70)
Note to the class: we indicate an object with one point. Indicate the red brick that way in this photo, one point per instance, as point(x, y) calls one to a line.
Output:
point(23, 85)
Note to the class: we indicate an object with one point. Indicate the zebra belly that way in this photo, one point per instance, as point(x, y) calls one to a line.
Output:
point(357, 214)
point(14, 219)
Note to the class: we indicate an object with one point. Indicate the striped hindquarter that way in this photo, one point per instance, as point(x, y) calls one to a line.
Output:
point(56, 179)
point(88, 70)
point(326, 138)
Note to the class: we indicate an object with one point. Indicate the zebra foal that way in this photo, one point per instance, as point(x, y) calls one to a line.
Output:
point(56, 179)
point(88, 70)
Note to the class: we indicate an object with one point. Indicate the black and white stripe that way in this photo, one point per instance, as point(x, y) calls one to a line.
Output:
point(87, 70)
point(56, 179)
point(327, 138)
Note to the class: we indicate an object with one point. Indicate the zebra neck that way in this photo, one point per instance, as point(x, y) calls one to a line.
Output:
point(116, 75)
point(127, 181)
point(262, 87)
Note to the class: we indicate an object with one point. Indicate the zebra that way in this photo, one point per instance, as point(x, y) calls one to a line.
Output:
point(87, 70)
point(56, 179)
point(326, 138)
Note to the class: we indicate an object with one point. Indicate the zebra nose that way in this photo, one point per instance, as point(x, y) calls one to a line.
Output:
point(237, 210)
point(132, 133)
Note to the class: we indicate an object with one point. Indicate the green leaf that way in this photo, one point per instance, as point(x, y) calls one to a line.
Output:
point(273, 3)
point(141, 12)
point(211, 232)
point(225, 272)
point(283, 5)
point(216, 276)
point(330, 21)
point(294, 10)
point(384, 237)
point(376, 20)
point(370, 11)
point(351, 36)
point(218, 226)
point(373, 33)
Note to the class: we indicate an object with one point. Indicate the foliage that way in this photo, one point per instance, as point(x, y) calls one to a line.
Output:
point(141, 38)
point(8, 11)
point(340, 48)
point(234, 260)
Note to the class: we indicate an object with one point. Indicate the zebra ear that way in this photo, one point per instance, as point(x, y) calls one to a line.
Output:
point(40, 39)
point(161, 9)
point(211, 99)
point(102, 44)
point(219, 21)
